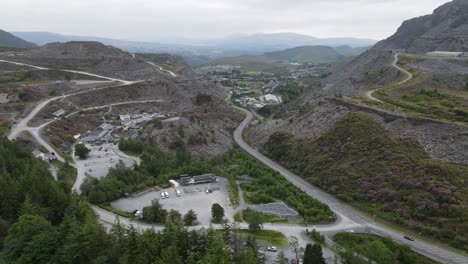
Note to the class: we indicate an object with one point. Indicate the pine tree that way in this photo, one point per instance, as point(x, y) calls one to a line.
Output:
point(190, 218)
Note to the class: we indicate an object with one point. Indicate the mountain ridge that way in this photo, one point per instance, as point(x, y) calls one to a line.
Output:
point(9, 40)
point(446, 29)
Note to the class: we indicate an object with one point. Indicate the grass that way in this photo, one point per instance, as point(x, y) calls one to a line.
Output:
point(238, 217)
point(412, 233)
point(360, 163)
point(66, 173)
point(433, 103)
point(270, 237)
point(233, 191)
point(379, 249)
point(421, 96)
point(268, 218)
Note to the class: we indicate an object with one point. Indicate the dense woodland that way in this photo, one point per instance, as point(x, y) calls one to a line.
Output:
point(361, 164)
point(41, 222)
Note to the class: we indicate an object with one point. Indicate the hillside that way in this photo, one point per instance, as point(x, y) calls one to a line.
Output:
point(359, 162)
point(365, 152)
point(87, 56)
point(315, 54)
point(279, 61)
point(9, 40)
point(445, 30)
point(180, 92)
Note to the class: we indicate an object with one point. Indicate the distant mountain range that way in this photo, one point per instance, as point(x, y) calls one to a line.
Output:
point(233, 46)
point(280, 41)
point(9, 40)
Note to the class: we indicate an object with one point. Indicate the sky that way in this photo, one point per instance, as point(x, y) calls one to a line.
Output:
point(190, 20)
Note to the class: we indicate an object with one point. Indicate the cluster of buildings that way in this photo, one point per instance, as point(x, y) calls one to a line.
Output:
point(186, 180)
point(48, 157)
point(260, 101)
point(218, 69)
point(100, 135)
point(104, 132)
point(448, 54)
point(309, 70)
point(129, 122)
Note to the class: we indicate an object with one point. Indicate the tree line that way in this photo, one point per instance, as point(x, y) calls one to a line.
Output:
point(42, 222)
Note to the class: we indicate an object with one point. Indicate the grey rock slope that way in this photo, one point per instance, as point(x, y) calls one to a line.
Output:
point(9, 40)
point(446, 30)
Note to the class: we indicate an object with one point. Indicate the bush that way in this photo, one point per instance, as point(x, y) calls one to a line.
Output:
point(317, 237)
point(217, 213)
point(81, 151)
point(155, 213)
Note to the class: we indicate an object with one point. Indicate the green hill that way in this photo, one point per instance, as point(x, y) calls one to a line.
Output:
point(314, 54)
point(252, 63)
point(281, 60)
point(9, 40)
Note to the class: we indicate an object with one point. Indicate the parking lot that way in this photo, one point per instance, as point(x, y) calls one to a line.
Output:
point(101, 158)
point(192, 197)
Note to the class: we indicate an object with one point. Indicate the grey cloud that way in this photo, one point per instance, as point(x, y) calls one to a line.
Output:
point(165, 20)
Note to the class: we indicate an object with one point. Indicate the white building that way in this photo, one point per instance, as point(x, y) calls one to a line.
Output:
point(272, 99)
point(447, 54)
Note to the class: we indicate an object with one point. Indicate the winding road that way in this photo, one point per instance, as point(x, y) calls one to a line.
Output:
point(407, 78)
point(161, 69)
point(346, 217)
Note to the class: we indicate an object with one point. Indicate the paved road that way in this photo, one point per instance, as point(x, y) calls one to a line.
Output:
point(346, 216)
point(408, 77)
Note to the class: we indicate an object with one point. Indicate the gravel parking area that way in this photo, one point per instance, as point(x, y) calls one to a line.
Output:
point(101, 158)
point(192, 197)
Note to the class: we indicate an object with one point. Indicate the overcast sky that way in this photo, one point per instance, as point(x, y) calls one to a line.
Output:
point(157, 20)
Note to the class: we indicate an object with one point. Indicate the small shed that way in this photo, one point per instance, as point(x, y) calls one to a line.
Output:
point(58, 113)
point(174, 183)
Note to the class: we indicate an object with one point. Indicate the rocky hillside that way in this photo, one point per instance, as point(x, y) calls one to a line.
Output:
point(359, 162)
point(394, 162)
point(444, 30)
point(9, 40)
point(93, 57)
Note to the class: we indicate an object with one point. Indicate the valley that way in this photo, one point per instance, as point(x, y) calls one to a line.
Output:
point(262, 148)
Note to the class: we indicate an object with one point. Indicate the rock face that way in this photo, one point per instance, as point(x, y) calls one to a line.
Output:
point(444, 30)
point(9, 40)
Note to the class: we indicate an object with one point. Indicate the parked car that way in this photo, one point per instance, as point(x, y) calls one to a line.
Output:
point(178, 193)
point(166, 194)
point(136, 213)
point(272, 249)
point(409, 238)
point(163, 195)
